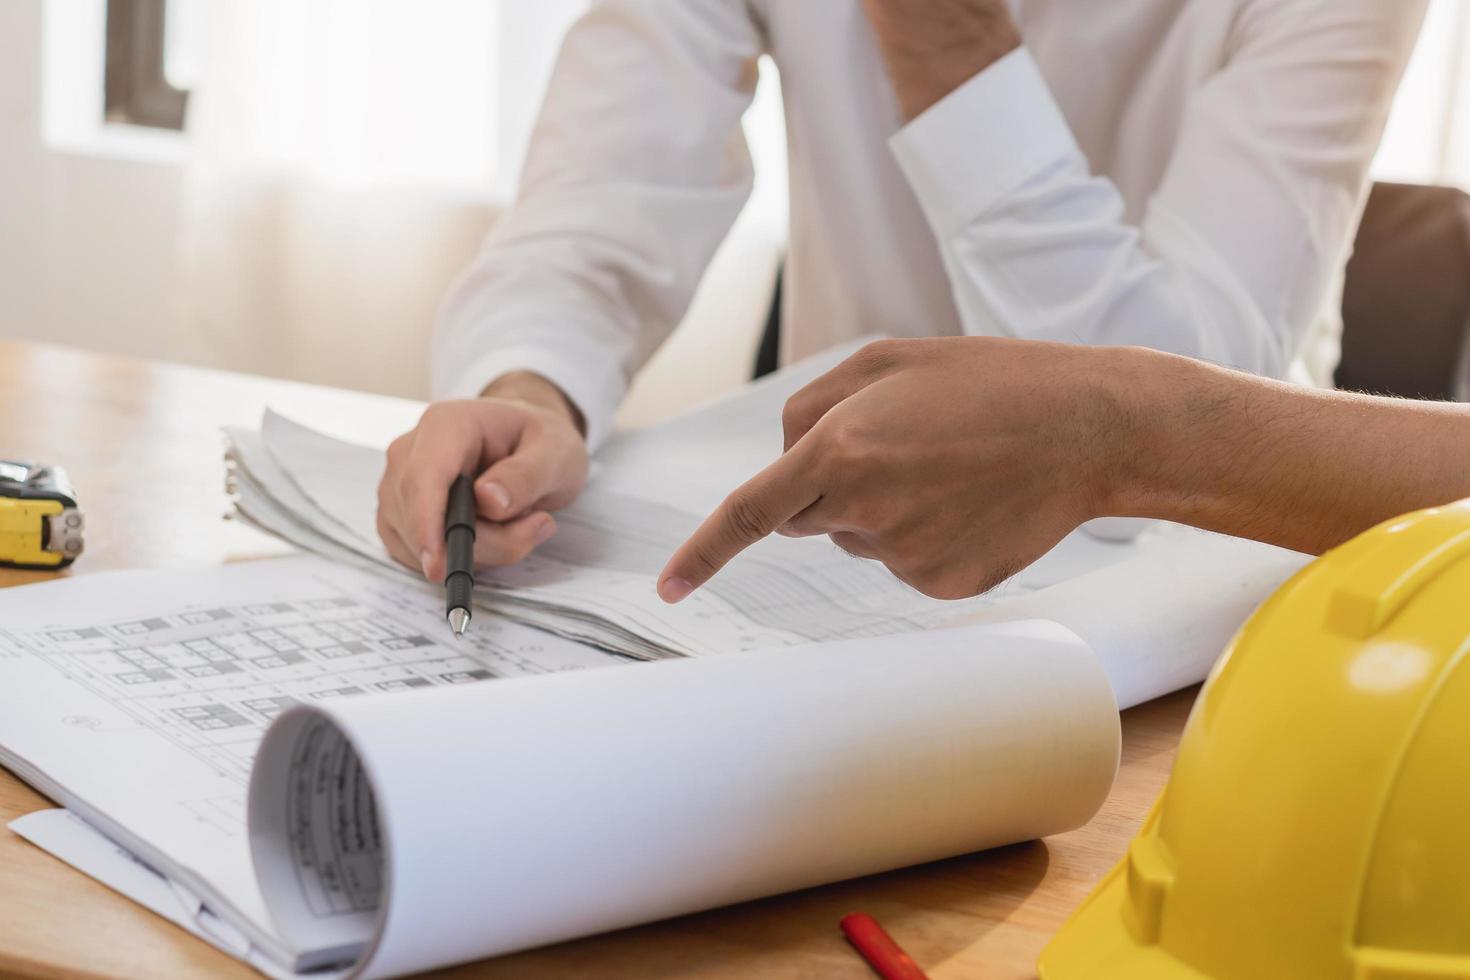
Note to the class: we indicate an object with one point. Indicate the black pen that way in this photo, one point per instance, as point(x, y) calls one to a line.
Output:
point(459, 548)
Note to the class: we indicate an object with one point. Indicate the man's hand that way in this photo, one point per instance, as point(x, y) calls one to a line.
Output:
point(955, 462)
point(932, 47)
point(521, 440)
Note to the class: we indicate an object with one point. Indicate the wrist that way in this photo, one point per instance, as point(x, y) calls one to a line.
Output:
point(534, 390)
point(1158, 409)
point(924, 68)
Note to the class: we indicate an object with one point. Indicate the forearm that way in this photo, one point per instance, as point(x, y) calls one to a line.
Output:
point(1301, 468)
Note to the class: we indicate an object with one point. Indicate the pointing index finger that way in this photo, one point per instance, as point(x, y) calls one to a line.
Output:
point(752, 511)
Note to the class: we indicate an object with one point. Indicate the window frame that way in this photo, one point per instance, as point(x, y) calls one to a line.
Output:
point(136, 89)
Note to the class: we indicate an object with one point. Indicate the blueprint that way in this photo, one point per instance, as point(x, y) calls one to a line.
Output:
point(594, 579)
point(138, 699)
point(210, 679)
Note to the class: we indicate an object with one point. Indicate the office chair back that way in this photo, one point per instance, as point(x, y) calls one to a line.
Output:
point(1406, 304)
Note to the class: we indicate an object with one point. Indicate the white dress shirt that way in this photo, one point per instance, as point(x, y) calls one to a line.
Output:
point(1179, 174)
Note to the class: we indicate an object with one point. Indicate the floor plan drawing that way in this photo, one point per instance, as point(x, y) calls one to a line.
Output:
point(211, 679)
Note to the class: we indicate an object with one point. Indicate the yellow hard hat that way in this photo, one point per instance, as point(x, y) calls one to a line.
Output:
point(1317, 822)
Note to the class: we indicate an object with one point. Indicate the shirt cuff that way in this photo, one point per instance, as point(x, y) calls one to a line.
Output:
point(596, 394)
point(982, 141)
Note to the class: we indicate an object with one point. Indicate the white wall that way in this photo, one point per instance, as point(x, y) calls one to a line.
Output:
point(87, 243)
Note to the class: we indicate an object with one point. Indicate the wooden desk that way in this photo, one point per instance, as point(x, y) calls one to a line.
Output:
point(141, 442)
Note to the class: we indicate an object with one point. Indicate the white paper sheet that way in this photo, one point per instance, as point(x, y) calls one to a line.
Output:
point(760, 772)
point(600, 568)
point(163, 680)
point(594, 580)
point(73, 840)
point(1158, 621)
point(528, 811)
point(138, 699)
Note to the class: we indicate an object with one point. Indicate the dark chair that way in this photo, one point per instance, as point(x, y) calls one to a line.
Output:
point(1406, 305)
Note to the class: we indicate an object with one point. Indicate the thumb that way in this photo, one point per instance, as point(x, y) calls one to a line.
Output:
point(520, 481)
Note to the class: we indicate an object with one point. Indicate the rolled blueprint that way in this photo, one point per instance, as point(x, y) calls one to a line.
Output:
point(406, 832)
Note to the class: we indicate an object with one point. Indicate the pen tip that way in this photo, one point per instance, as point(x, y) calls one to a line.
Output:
point(459, 621)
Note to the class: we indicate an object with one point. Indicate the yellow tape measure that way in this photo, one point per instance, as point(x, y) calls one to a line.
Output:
point(40, 523)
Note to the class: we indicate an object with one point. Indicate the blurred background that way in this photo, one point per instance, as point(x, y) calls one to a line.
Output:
point(287, 187)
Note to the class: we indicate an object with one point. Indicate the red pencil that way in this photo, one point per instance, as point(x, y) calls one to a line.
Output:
point(878, 948)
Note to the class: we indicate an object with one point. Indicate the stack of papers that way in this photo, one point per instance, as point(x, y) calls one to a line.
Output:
point(511, 792)
point(594, 580)
point(137, 700)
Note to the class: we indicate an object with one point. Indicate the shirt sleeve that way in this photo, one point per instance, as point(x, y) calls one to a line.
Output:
point(1235, 253)
point(636, 170)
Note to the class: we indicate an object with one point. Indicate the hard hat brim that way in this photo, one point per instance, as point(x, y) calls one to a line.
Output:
point(1096, 944)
